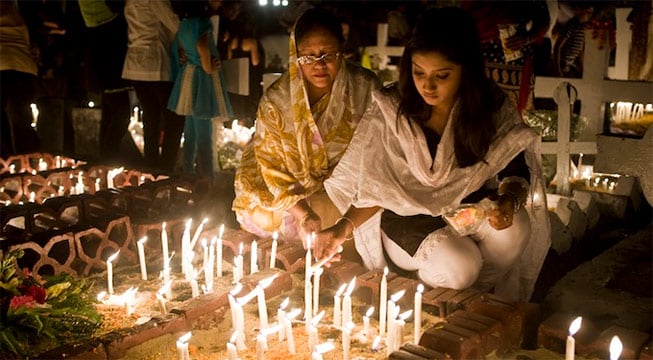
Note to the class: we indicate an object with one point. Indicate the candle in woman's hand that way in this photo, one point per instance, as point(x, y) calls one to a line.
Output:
point(418, 314)
point(383, 298)
point(182, 346)
point(616, 347)
point(570, 348)
point(110, 272)
point(141, 255)
point(337, 317)
point(273, 251)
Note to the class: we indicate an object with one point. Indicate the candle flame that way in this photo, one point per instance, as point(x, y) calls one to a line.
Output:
point(324, 347)
point(385, 271)
point(221, 232)
point(316, 320)
point(113, 257)
point(275, 235)
point(341, 289)
point(376, 342)
point(240, 249)
point(205, 220)
point(233, 337)
point(267, 282)
point(308, 242)
point(163, 226)
point(615, 348)
point(405, 315)
point(236, 289)
point(142, 240)
point(350, 287)
point(293, 313)
point(575, 326)
point(184, 338)
point(370, 311)
point(396, 296)
point(420, 288)
point(284, 303)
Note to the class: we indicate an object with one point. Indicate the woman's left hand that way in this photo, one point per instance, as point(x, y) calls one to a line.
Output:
point(501, 216)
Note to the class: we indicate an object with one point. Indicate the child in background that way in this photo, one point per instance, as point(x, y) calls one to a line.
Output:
point(199, 91)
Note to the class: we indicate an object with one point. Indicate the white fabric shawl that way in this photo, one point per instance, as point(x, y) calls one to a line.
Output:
point(388, 164)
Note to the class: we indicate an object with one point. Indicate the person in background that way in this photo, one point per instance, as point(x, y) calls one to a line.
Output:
point(443, 136)
point(304, 123)
point(152, 26)
point(107, 41)
point(511, 68)
point(18, 71)
point(199, 91)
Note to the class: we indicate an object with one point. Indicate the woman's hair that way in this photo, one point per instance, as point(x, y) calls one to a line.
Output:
point(318, 18)
point(190, 8)
point(451, 32)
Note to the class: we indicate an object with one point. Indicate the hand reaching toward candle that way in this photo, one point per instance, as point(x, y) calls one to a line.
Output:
point(329, 241)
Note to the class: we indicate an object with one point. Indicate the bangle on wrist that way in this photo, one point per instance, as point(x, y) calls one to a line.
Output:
point(353, 226)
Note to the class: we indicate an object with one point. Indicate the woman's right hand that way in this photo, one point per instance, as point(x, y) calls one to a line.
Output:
point(329, 241)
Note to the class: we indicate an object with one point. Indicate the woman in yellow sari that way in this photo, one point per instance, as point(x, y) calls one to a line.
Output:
point(305, 121)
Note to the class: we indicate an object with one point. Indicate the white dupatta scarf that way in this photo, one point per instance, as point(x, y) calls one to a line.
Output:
point(388, 164)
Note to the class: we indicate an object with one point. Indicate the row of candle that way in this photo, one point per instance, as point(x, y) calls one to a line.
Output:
point(616, 347)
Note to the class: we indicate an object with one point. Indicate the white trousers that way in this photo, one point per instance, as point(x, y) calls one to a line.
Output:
point(446, 259)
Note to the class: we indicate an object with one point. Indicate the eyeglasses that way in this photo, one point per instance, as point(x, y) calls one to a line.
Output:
point(324, 58)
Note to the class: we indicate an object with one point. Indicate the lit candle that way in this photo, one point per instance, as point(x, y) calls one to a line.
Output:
point(308, 304)
point(218, 252)
point(110, 272)
point(383, 298)
point(281, 314)
point(97, 184)
point(12, 169)
point(337, 317)
point(162, 302)
point(208, 268)
point(346, 303)
point(288, 329)
point(182, 346)
point(321, 349)
point(57, 161)
point(418, 314)
point(580, 164)
point(399, 328)
point(238, 264)
point(32, 197)
point(316, 289)
point(128, 300)
point(253, 258)
point(313, 337)
point(164, 250)
point(366, 320)
point(195, 291)
point(197, 233)
point(141, 255)
point(393, 312)
point(570, 349)
point(273, 251)
point(376, 343)
point(186, 257)
point(262, 307)
point(346, 340)
point(232, 352)
point(261, 346)
point(616, 347)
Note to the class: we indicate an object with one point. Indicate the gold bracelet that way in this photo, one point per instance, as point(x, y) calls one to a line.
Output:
point(353, 226)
